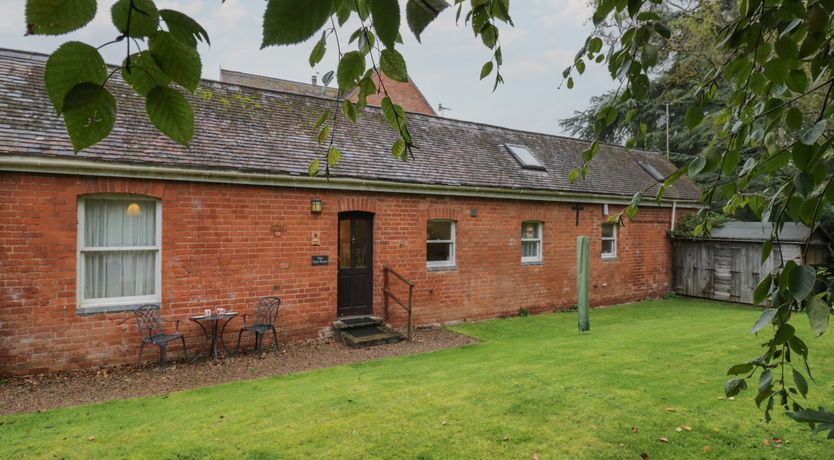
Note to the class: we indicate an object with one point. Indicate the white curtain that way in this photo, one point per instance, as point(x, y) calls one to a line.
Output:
point(119, 224)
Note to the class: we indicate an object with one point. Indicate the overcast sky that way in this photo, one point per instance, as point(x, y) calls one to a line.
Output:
point(445, 66)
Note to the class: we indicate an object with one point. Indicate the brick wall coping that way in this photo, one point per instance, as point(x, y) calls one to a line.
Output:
point(53, 165)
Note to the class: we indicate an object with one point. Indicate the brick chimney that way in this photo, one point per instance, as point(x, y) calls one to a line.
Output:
point(405, 94)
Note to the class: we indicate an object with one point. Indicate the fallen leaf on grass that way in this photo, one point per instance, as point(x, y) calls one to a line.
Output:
point(91, 438)
point(535, 456)
point(731, 398)
point(707, 448)
point(765, 442)
point(687, 427)
point(670, 409)
point(777, 441)
point(634, 429)
point(444, 422)
point(678, 429)
point(663, 439)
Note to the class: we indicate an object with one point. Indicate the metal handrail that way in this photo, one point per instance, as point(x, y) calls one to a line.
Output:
point(387, 293)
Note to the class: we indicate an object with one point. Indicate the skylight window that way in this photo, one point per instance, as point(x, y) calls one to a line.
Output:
point(652, 171)
point(524, 156)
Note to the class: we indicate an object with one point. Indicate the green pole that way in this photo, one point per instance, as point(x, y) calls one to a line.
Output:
point(583, 250)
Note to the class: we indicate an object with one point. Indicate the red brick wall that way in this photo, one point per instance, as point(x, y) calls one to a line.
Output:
point(227, 245)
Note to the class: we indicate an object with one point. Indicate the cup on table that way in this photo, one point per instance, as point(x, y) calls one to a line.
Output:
point(221, 311)
point(207, 311)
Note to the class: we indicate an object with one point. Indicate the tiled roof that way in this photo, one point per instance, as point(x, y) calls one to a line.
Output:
point(260, 131)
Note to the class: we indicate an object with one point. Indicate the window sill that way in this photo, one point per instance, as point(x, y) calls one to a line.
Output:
point(442, 268)
point(531, 263)
point(610, 258)
point(101, 309)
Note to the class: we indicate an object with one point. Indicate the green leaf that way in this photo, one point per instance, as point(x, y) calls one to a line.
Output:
point(183, 28)
point(420, 13)
point(765, 381)
point(793, 118)
point(171, 113)
point(786, 48)
point(818, 314)
point(178, 60)
point(810, 136)
point(694, 116)
point(89, 114)
point(392, 64)
point(71, 64)
point(762, 289)
point(767, 247)
point(740, 369)
point(385, 17)
point(318, 51)
point(144, 17)
point(734, 386)
point(287, 22)
point(349, 109)
point(333, 155)
point(56, 17)
point(144, 74)
point(313, 168)
point(801, 281)
point(784, 334)
point(801, 383)
point(798, 80)
point(350, 69)
point(486, 69)
point(765, 319)
point(393, 113)
point(322, 118)
point(649, 57)
point(323, 134)
point(398, 149)
point(661, 29)
point(777, 70)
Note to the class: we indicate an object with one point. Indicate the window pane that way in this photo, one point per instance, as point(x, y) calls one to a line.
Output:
point(607, 230)
point(530, 249)
point(438, 252)
point(608, 247)
point(119, 274)
point(119, 223)
point(530, 230)
point(439, 230)
point(344, 243)
point(362, 232)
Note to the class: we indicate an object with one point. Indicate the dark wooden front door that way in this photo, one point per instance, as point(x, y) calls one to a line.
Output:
point(356, 282)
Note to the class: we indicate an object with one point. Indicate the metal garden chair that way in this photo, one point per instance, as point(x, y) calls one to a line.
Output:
point(266, 311)
point(149, 323)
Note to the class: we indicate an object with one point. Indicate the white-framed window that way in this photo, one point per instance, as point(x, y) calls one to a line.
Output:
point(531, 241)
point(609, 240)
point(119, 250)
point(440, 243)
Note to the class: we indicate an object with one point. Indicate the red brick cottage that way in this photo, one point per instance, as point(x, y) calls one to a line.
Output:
point(483, 220)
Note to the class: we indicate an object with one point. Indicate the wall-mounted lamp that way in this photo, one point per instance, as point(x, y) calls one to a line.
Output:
point(133, 209)
point(315, 206)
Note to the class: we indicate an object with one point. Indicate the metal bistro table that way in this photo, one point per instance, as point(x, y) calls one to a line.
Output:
point(212, 321)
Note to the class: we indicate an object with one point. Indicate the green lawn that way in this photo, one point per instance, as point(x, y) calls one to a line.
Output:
point(533, 386)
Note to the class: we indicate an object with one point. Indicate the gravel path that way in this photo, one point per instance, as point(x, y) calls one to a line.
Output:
point(49, 391)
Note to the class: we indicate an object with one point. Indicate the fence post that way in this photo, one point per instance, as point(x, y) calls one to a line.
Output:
point(385, 291)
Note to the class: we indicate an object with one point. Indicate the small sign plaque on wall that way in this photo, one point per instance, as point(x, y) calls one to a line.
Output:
point(320, 260)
